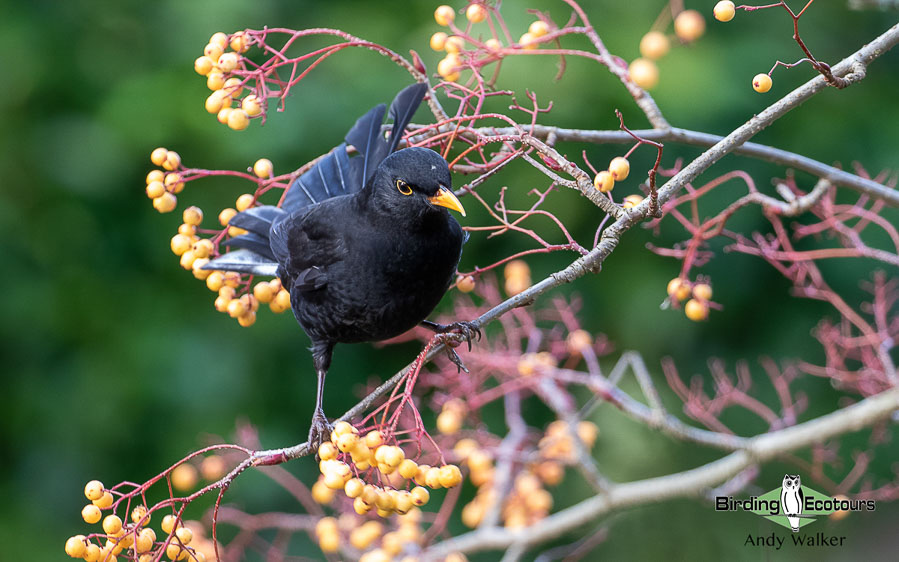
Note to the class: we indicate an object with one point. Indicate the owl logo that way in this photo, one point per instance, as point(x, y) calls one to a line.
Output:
point(791, 500)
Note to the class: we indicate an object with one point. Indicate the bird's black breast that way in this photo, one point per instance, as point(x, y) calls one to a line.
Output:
point(389, 276)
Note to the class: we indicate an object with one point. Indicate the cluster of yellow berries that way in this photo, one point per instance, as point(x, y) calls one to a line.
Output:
point(194, 252)
point(618, 170)
point(697, 308)
point(371, 539)
point(135, 536)
point(370, 451)
point(448, 68)
point(163, 185)
point(689, 25)
point(518, 277)
point(218, 67)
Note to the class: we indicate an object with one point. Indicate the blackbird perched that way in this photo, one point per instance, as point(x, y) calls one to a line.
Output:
point(365, 245)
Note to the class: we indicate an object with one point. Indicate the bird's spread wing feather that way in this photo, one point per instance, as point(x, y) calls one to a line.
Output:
point(244, 261)
point(331, 176)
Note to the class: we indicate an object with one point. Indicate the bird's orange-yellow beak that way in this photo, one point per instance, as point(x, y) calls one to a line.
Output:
point(445, 198)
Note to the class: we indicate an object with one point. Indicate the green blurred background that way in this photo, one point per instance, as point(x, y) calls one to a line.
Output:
point(116, 364)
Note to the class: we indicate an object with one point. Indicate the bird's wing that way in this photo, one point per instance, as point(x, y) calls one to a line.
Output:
point(338, 174)
point(306, 242)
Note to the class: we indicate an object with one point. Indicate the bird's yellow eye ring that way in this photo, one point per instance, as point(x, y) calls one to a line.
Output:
point(403, 187)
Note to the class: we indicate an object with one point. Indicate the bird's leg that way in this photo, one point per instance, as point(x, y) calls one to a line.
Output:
point(320, 430)
point(468, 330)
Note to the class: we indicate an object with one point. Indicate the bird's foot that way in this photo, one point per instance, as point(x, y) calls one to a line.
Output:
point(468, 331)
point(450, 342)
point(320, 431)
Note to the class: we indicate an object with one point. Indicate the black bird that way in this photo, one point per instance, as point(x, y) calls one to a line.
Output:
point(365, 245)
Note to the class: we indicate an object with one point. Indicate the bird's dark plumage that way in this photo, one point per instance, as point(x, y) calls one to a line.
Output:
point(365, 245)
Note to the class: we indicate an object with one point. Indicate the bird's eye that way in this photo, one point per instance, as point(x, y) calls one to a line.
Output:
point(403, 187)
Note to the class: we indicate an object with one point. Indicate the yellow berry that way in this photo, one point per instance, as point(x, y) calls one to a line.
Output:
point(263, 292)
point(228, 61)
point(145, 540)
point(450, 476)
point(353, 488)
point(213, 51)
point(158, 156)
point(678, 288)
point(632, 201)
point(347, 442)
point(374, 439)
point(329, 542)
point(449, 422)
point(215, 80)
point(219, 38)
point(104, 501)
point(216, 101)
point(432, 477)
point(476, 13)
point(438, 41)
point(233, 86)
point(578, 341)
point(493, 45)
point(516, 268)
point(702, 291)
point(184, 534)
point(173, 182)
point(238, 119)
point(112, 524)
point(654, 45)
point(184, 476)
point(393, 457)
point(175, 552)
point(192, 215)
point(466, 284)
point(447, 68)
point(281, 302)
point(604, 181)
point(342, 428)
point(454, 45)
point(187, 259)
point(251, 105)
point(197, 268)
point(528, 41)
point(619, 167)
point(90, 513)
point(93, 490)
point(538, 28)
point(226, 215)
point(75, 546)
point(689, 25)
point(360, 506)
point(408, 468)
point(213, 467)
point(420, 496)
point(263, 168)
point(138, 514)
point(244, 202)
point(240, 43)
point(644, 73)
point(168, 523)
point(587, 431)
point(761, 83)
point(215, 281)
point(222, 115)
point(172, 160)
point(155, 189)
point(724, 10)
point(155, 175)
point(839, 514)
point(321, 493)
point(444, 15)
point(203, 65)
point(696, 310)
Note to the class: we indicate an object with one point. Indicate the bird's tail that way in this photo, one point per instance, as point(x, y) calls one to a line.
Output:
point(250, 252)
point(334, 174)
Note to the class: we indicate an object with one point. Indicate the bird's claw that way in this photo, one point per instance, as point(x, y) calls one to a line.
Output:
point(454, 357)
point(320, 431)
point(468, 331)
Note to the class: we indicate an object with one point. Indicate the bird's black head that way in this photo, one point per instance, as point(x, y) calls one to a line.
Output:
point(415, 182)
